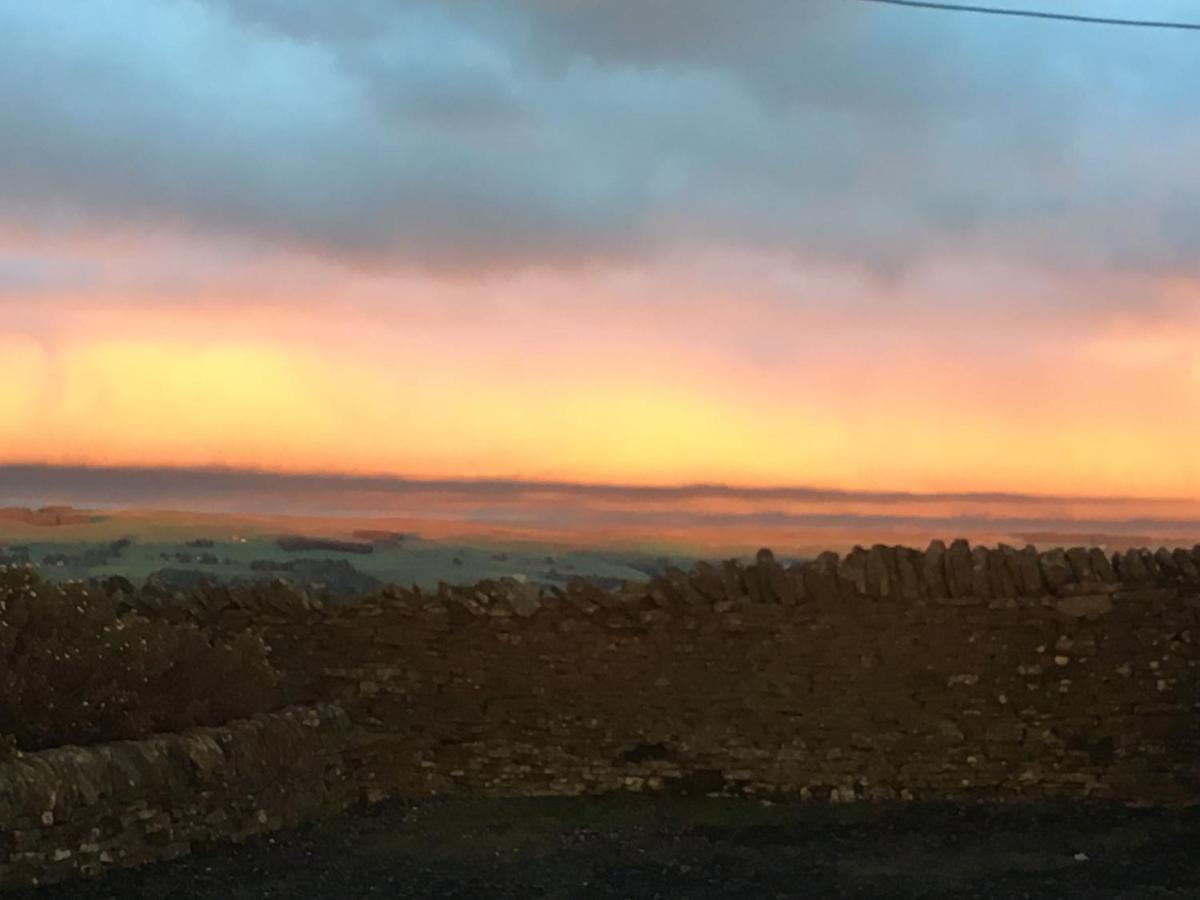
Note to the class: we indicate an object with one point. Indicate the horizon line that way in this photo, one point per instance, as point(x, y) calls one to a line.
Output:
point(516, 483)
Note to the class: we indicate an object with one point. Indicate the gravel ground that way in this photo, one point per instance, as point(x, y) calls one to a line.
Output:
point(681, 848)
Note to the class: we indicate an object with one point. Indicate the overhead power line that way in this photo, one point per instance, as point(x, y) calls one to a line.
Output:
point(1037, 14)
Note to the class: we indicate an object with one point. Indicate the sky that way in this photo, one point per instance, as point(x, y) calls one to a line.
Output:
point(646, 242)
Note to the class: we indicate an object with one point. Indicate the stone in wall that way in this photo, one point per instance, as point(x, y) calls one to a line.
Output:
point(775, 586)
point(1056, 569)
point(879, 578)
point(959, 581)
point(852, 575)
point(522, 598)
point(752, 583)
point(1086, 606)
point(731, 577)
point(821, 579)
point(799, 587)
point(1129, 568)
point(1150, 563)
point(1186, 564)
point(660, 591)
point(1166, 564)
point(683, 588)
point(1080, 561)
point(933, 572)
point(980, 573)
point(1000, 575)
point(908, 564)
point(1029, 572)
point(1102, 566)
point(891, 565)
point(707, 582)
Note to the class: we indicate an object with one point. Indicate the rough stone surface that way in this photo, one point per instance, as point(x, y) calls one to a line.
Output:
point(1166, 563)
point(1086, 606)
point(1056, 569)
point(852, 574)
point(1029, 572)
point(1130, 567)
point(907, 565)
point(1000, 573)
point(505, 687)
point(1021, 696)
point(776, 586)
point(821, 578)
point(1188, 570)
point(1080, 560)
point(879, 579)
point(959, 580)
point(980, 578)
point(933, 572)
point(732, 579)
point(75, 811)
point(1102, 566)
point(1150, 562)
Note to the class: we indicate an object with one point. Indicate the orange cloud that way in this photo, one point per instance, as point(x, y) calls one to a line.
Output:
point(692, 371)
point(171, 401)
point(22, 376)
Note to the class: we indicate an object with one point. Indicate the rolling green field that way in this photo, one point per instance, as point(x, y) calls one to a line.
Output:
point(225, 550)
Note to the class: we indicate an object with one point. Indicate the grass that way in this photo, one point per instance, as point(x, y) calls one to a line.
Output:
point(418, 561)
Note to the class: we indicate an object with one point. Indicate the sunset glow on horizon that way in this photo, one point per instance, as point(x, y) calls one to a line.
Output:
point(569, 394)
point(442, 242)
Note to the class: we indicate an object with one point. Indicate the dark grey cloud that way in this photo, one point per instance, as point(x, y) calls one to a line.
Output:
point(470, 135)
point(126, 485)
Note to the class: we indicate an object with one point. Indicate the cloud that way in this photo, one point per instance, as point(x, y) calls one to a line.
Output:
point(26, 276)
point(469, 137)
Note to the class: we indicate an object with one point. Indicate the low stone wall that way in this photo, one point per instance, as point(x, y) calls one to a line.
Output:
point(951, 673)
point(76, 811)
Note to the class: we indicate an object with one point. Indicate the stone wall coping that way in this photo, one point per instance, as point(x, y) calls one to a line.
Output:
point(46, 786)
point(1075, 581)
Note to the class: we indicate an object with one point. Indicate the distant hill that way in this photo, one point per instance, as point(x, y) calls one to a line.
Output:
point(298, 544)
point(381, 537)
point(46, 516)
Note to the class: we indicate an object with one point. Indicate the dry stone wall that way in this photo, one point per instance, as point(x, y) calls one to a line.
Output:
point(957, 672)
point(77, 811)
point(954, 672)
